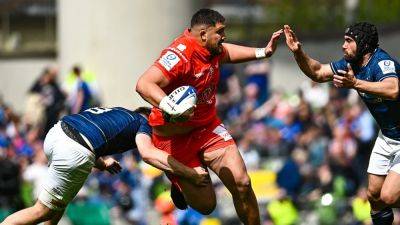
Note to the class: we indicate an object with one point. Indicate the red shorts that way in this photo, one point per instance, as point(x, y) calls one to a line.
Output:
point(187, 148)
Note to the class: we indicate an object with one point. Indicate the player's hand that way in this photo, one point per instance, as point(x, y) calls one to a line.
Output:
point(173, 109)
point(112, 166)
point(291, 40)
point(273, 42)
point(184, 117)
point(346, 79)
point(200, 177)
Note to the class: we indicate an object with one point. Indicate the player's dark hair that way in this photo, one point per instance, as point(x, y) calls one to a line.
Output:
point(143, 110)
point(206, 17)
point(366, 37)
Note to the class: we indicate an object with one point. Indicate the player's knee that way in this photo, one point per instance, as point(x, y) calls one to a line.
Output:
point(388, 198)
point(373, 195)
point(243, 184)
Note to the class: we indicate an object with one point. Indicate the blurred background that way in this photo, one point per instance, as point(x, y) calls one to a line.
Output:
point(306, 145)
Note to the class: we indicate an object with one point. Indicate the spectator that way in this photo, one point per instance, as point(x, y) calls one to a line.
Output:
point(51, 100)
point(258, 73)
point(10, 183)
point(81, 95)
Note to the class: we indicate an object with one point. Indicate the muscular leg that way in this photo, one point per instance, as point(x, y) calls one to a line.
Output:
point(32, 215)
point(375, 183)
point(228, 164)
point(381, 212)
point(390, 192)
point(55, 219)
point(200, 198)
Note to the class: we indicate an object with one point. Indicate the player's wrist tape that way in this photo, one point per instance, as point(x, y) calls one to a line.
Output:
point(260, 53)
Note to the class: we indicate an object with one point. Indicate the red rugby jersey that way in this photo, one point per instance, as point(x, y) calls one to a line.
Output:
point(186, 62)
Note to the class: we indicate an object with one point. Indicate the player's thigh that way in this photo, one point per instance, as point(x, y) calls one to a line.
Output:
point(70, 165)
point(55, 218)
point(391, 187)
point(43, 211)
point(228, 164)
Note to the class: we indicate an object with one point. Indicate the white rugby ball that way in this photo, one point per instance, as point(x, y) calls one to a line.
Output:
point(184, 95)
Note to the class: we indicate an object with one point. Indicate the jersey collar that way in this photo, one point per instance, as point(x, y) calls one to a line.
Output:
point(196, 45)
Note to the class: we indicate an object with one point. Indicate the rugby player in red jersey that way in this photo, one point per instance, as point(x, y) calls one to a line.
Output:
point(193, 59)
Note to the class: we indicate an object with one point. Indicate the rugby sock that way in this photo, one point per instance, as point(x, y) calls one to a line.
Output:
point(383, 217)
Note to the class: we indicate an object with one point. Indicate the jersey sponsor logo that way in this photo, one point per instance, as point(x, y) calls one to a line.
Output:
point(205, 70)
point(221, 131)
point(169, 60)
point(387, 66)
point(198, 75)
point(181, 47)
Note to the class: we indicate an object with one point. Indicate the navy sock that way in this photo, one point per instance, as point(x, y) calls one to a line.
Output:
point(383, 217)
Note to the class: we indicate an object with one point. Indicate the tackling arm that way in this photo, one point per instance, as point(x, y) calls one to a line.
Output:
point(161, 159)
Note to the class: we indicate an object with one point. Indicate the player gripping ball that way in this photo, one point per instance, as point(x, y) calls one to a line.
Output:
point(179, 105)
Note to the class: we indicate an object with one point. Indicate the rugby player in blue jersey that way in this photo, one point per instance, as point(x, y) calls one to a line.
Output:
point(374, 74)
point(78, 142)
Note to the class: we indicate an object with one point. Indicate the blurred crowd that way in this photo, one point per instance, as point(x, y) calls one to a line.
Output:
point(316, 142)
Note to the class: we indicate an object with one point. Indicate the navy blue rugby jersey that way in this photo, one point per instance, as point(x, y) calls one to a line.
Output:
point(109, 130)
point(380, 66)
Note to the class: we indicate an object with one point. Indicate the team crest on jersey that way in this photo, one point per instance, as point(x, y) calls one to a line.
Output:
point(387, 66)
point(169, 60)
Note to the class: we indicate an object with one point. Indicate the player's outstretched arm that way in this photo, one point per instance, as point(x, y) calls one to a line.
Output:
point(238, 53)
point(163, 161)
point(312, 68)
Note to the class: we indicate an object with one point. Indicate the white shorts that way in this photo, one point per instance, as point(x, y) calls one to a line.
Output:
point(385, 156)
point(69, 165)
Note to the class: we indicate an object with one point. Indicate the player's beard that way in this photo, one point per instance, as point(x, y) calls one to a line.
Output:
point(352, 59)
point(216, 50)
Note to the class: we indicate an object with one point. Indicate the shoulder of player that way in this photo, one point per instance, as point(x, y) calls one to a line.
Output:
point(384, 63)
point(182, 48)
point(381, 55)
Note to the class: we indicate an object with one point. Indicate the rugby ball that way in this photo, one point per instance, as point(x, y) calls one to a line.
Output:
point(184, 95)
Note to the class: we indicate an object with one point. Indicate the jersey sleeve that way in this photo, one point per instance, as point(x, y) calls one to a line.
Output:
point(171, 63)
point(385, 68)
point(338, 65)
point(144, 127)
